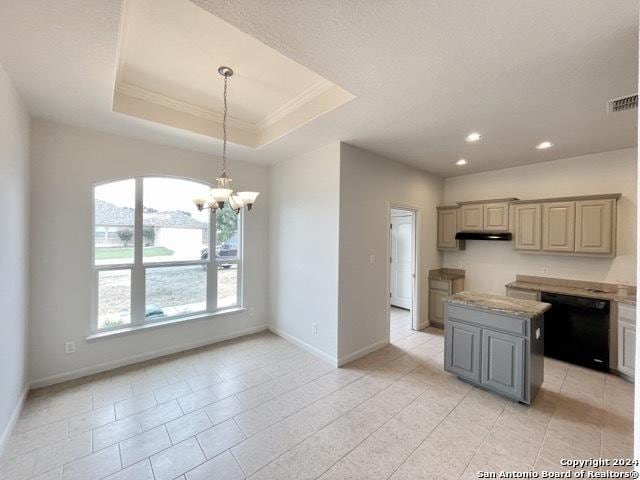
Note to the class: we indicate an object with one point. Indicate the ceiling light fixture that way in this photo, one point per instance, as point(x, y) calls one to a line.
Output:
point(544, 145)
point(473, 137)
point(462, 161)
point(223, 194)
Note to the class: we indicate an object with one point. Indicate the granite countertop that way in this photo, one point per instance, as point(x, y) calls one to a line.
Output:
point(575, 291)
point(446, 274)
point(498, 303)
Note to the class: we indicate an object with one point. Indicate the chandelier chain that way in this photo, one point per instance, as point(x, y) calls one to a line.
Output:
point(224, 129)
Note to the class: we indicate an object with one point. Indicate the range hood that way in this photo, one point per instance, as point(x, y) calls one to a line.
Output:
point(496, 236)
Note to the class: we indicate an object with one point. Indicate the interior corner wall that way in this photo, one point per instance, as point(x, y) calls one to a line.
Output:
point(304, 250)
point(14, 253)
point(491, 265)
point(368, 185)
point(66, 163)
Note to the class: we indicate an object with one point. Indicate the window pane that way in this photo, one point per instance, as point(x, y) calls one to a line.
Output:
point(175, 291)
point(114, 298)
point(174, 229)
point(227, 285)
point(226, 235)
point(114, 216)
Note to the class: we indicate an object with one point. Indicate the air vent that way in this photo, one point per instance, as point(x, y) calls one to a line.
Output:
point(622, 103)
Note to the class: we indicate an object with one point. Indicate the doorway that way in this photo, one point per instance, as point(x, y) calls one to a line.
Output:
point(402, 269)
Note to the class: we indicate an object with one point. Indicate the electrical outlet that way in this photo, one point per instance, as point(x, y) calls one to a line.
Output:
point(544, 270)
point(69, 347)
point(314, 328)
point(461, 265)
point(372, 259)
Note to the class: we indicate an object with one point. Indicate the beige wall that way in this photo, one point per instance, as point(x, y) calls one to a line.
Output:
point(14, 243)
point(304, 249)
point(67, 162)
point(369, 184)
point(489, 265)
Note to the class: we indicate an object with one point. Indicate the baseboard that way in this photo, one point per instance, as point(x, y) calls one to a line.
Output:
point(83, 372)
point(304, 345)
point(424, 325)
point(11, 424)
point(362, 352)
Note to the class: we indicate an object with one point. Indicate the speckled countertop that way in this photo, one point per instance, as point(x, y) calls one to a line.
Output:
point(446, 274)
point(498, 303)
point(575, 291)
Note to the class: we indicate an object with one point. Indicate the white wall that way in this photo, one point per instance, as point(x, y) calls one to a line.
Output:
point(368, 185)
point(304, 249)
point(67, 161)
point(490, 265)
point(14, 242)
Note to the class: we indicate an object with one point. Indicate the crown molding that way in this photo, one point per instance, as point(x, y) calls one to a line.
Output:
point(159, 99)
point(318, 99)
point(295, 103)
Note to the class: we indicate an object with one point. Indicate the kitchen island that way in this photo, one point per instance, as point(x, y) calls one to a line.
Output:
point(496, 343)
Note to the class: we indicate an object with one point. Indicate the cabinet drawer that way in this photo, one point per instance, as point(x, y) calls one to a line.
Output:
point(439, 285)
point(494, 321)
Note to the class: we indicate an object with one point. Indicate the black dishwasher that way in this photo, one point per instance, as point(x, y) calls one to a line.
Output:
point(576, 330)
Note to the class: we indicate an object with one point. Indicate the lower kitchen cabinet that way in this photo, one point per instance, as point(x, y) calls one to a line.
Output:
point(440, 287)
point(494, 350)
point(463, 350)
point(626, 340)
point(502, 363)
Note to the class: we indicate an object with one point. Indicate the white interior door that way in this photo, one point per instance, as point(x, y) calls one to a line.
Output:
point(401, 280)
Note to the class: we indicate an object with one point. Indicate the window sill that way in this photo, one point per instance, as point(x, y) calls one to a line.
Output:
point(166, 323)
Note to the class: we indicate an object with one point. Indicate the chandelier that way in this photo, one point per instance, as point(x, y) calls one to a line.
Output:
point(223, 194)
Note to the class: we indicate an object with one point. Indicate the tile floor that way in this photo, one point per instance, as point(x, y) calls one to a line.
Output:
point(262, 408)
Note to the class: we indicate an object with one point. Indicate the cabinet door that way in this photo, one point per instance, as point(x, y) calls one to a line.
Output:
point(447, 229)
point(462, 350)
point(626, 348)
point(472, 218)
point(527, 227)
point(496, 217)
point(594, 226)
point(503, 363)
point(436, 306)
point(558, 226)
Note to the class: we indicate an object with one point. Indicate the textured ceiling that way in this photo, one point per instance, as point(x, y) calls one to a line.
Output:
point(175, 48)
point(425, 74)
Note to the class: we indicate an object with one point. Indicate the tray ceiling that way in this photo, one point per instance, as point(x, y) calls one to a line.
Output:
point(169, 54)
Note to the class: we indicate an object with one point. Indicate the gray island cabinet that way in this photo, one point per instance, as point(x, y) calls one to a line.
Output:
point(496, 343)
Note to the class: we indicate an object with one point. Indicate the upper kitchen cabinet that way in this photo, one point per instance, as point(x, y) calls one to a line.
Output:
point(447, 229)
point(471, 218)
point(526, 223)
point(496, 217)
point(558, 226)
point(574, 225)
point(485, 216)
point(595, 226)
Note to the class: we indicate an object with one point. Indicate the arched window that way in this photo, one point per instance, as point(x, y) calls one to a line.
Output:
point(152, 253)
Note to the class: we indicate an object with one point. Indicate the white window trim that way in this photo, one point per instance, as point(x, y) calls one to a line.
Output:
point(138, 272)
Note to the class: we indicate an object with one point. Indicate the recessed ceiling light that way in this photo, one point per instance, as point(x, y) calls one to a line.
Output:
point(462, 161)
point(473, 137)
point(544, 145)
